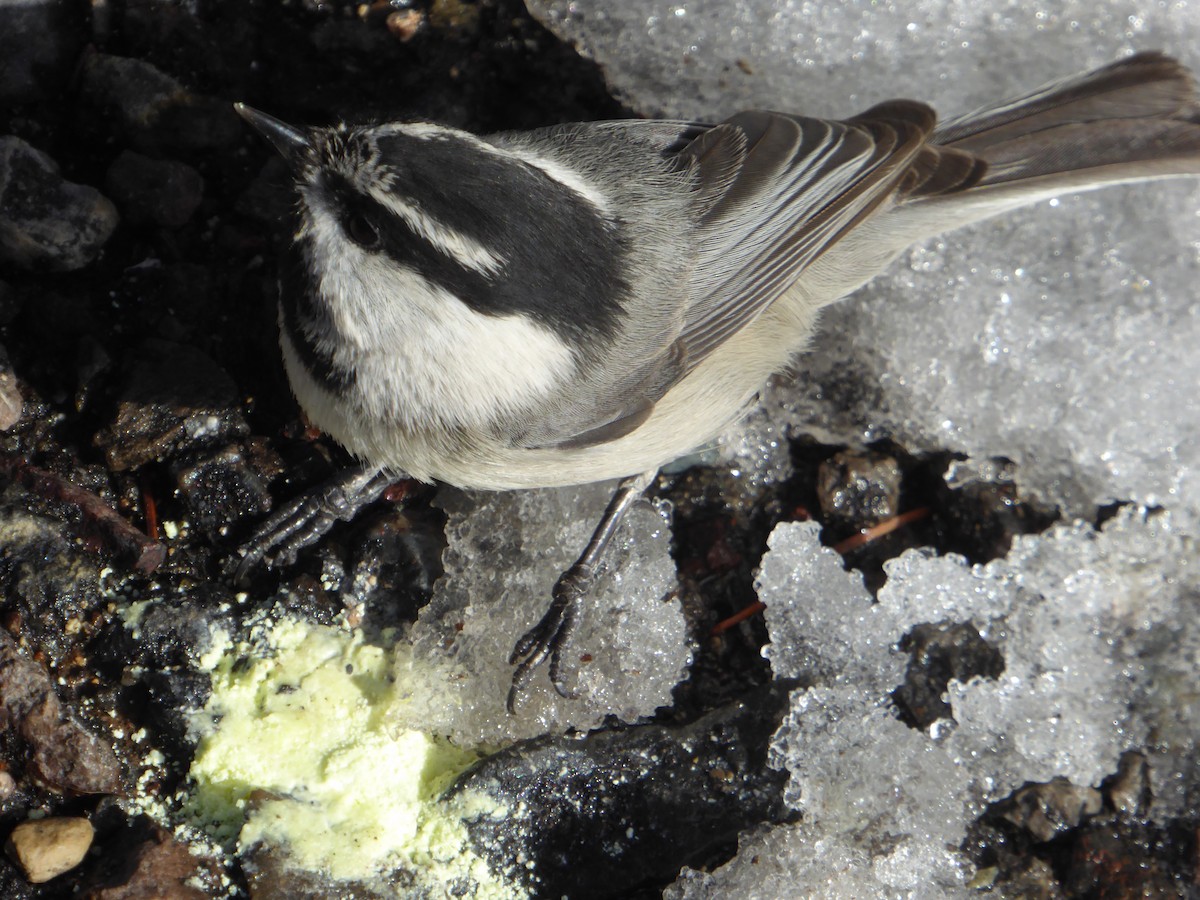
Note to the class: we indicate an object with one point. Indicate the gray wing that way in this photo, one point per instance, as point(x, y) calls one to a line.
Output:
point(780, 190)
point(771, 193)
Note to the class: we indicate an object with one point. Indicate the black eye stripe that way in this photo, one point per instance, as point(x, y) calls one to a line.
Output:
point(390, 232)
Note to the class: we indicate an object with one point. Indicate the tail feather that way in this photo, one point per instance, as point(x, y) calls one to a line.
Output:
point(1133, 120)
point(1148, 85)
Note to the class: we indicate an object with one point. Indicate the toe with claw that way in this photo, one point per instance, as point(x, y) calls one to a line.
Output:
point(546, 639)
point(309, 517)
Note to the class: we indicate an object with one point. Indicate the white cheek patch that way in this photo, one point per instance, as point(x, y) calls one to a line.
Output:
point(420, 355)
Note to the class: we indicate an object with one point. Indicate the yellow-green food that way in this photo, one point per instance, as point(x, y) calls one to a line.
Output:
point(296, 751)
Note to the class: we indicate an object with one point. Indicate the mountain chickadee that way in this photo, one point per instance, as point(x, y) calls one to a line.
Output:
point(591, 301)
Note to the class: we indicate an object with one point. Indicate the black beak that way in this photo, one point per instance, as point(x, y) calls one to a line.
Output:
point(290, 141)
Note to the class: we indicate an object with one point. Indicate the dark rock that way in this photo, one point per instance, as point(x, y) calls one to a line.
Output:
point(170, 699)
point(10, 303)
point(38, 43)
point(345, 38)
point(143, 106)
point(303, 596)
point(178, 631)
point(982, 508)
point(48, 582)
point(141, 90)
point(154, 191)
point(211, 43)
point(46, 221)
point(173, 301)
point(397, 558)
point(13, 885)
point(96, 521)
point(145, 862)
point(720, 523)
point(1128, 791)
point(92, 362)
point(59, 318)
point(1114, 860)
point(940, 653)
point(62, 753)
point(270, 197)
point(859, 488)
point(157, 655)
point(599, 816)
point(175, 400)
point(220, 488)
point(1047, 810)
point(271, 877)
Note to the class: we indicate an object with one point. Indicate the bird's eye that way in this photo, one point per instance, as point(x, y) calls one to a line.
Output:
point(362, 231)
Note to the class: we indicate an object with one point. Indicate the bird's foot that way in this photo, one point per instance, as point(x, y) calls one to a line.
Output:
point(306, 519)
point(548, 637)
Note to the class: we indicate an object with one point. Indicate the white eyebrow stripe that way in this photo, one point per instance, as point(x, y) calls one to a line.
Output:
point(427, 131)
point(454, 244)
point(422, 130)
point(551, 168)
point(568, 178)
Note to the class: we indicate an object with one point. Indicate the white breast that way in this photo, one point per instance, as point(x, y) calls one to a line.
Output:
point(421, 355)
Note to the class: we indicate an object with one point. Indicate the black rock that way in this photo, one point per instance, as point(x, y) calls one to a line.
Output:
point(396, 556)
point(176, 400)
point(154, 191)
point(175, 632)
point(981, 508)
point(617, 809)
point(940, 653)
point(39, 40)
point(270, 198)
point(47, 222)
point(10, 303)
point(47, 580)
point(139, 104)
point(859, 488)
point(220, 488)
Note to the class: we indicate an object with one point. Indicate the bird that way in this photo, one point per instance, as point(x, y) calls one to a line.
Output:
point(591, 301)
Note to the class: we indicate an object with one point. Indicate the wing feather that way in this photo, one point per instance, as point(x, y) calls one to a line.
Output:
point(802, 182)
point(770, 194)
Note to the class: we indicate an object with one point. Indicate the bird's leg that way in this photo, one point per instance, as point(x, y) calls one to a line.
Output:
point(547, 638)
point(309, 517)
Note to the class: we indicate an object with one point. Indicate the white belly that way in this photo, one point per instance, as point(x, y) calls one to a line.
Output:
point(692, 413)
